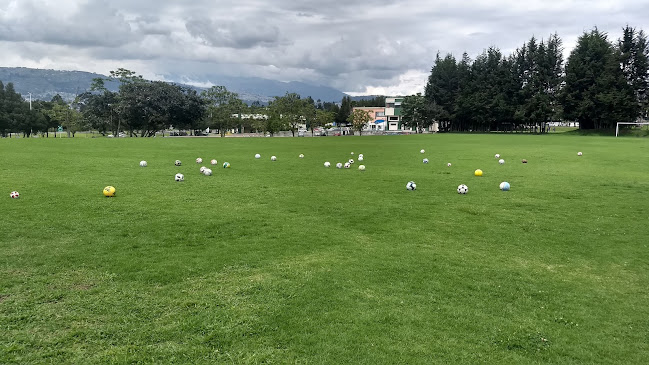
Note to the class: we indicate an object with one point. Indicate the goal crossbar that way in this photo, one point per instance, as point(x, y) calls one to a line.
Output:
point(617, 126)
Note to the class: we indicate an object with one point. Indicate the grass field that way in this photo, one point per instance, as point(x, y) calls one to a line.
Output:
point(290, 262)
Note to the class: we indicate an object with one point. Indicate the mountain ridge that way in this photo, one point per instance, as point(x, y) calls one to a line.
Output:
point(44, 84)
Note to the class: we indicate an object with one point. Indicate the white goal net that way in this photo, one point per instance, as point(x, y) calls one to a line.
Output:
point(617, 127)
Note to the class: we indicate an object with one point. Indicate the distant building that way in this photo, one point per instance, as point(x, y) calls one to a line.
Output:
point(378, 122)
point(393, 113)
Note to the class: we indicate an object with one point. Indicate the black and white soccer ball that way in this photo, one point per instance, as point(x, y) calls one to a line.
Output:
point(425, 160)
point(411, 185)
point(178, 163)
point(351, 161)
point(273, 158)
point(462, 189)
point(143, 164)
point(202, 169)
point(327, 164)
point(347, 165)
point(179, 177)
point(199, 160)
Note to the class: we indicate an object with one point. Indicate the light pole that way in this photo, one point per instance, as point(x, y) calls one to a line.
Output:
point(30, 101)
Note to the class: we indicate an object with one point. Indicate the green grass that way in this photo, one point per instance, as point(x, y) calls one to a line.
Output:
point(290, 262)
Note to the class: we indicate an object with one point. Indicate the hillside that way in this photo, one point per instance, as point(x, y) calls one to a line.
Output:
point(44, 84)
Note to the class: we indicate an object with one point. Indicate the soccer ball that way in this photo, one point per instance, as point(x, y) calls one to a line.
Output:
point(142, 163)
point(327, 164)
point(226, 165)
point(301, 156)
point(177, 163)
point(207, 172)
point(109, 191)
point(422, 151)
point(202, 169)
point(360, 155)
point(425, 160)
point(478, 172)
point(273, 158)
point(257, 156)
point(504, 186)
point(361, 167)
point(339, 165)
point(16, 195)
point(579, 153)
point(448, 164)
point(411, 185)
point(352, 153)
point(360, 158)
point(462, 189)
point(179, 177)
point(351, 160)
point(524, 161)
point(347, 165)
point(501, 161)
point(497, 155)
point(199, 160)
point(214, 162)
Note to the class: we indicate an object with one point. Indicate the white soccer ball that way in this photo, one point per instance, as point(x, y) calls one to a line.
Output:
point(448, 164)
point(497, 155)
point(142, 163)
point(327, 164)
point(579, 153)
point(422, 151)
point(214, 162)
point(425, 160)
point(347, 165)
point(411, 185)
point(257, 156)
point(14, 195)
point(351, 161)
point(207, 172)
point(179, 177)
point(339, 165)
point(352, 153)
point(360, 155)
point(301, 155)
point(177, 163)
point(199, 160)
point(360, 158)
point(501, 161)
point(202, 169)
point(273, 158)
point(462, 189)
point(361, 167)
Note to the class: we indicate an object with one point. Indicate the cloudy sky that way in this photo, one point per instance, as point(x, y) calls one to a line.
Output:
point(360, 47)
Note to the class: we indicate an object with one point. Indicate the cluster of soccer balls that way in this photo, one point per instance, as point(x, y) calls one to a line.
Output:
point(349, 163)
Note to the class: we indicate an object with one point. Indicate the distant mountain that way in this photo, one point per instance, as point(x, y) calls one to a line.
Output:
point(44, 84)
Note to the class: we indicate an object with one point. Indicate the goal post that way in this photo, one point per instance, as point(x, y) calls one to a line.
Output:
point(617, 126)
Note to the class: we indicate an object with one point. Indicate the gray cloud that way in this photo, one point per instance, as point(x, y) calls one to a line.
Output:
point(354, 46)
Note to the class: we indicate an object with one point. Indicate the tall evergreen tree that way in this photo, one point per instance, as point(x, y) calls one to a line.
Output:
point(596, 93)
point(442, 89)
point(634, 61)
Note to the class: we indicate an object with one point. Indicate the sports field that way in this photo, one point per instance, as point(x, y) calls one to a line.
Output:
point(292, 262)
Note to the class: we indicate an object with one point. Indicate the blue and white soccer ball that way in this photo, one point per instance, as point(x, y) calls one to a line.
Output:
point(504, 186)
point(179, 177)
point(339, 165)
point(143, 164)
point(462, 189)
point(425, 160)
point(411, 185)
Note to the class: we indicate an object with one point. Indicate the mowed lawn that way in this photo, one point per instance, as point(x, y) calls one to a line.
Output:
point(291, 262)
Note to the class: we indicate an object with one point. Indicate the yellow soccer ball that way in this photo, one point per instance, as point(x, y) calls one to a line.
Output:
point(478, 172)
point(109, 191)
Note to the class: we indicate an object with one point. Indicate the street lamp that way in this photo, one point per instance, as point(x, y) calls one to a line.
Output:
point(30, 101)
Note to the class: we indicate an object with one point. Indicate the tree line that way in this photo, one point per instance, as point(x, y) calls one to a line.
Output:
point(601, 83)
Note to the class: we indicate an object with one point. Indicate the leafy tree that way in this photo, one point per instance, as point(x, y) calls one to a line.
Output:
point(358, 119)
point(321, 119)
point(596, 93)
point(291, 109)
point(221, 106)
point(416, 112)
